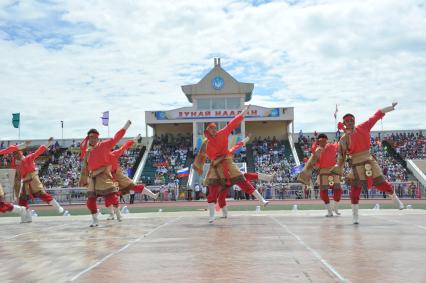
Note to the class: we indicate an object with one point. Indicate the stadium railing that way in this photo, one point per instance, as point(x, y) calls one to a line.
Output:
point(292, 191)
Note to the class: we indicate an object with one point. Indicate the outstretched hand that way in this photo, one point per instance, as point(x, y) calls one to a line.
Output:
point(245, 140)
point(245, 110)
point(23, 145)
point(135, 139)
point(389, 108)
point(127, 125)
point(49, 142)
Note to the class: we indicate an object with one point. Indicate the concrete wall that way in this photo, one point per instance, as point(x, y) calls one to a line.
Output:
point(331, 135)
point(174, 129)
point(267, 129)
point(64, 142)
point(421, 164)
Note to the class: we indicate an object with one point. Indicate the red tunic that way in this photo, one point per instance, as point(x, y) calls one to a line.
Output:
point(360, 137)
point(27, 164)
point(10, 149)
point(327, 156)
point(115, 155)
point(99, 156)
point(218, 146)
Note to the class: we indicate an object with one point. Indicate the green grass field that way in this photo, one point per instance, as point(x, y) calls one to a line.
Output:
point(83, 211)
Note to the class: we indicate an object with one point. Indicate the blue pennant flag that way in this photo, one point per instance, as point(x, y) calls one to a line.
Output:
point(105, 118)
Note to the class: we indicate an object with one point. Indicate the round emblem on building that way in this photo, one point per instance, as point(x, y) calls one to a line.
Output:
point(217, 83)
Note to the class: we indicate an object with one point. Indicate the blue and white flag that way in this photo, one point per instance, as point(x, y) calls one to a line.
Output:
point(105, 118)
point(297, 169)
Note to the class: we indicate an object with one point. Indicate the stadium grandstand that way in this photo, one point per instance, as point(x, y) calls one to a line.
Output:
point(274, 148)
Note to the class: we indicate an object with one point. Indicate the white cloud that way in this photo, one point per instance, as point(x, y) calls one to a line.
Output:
point(133, 56)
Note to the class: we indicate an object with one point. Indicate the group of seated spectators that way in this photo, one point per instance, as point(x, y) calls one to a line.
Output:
point(270, 157)
point(408, 145)
point(392, 169)
point(168, 154)
point(64, 170)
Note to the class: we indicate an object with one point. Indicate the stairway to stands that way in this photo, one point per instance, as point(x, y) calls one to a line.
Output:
point(149, 171)
point(299, 151)
point(250, 158)
point(392, 152)
point(138, 160)
point(287, 150)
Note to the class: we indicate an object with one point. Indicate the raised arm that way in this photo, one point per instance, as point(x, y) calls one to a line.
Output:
point(369, 124)
point(234, 123)
point(117, 137)
point(123, 148)
point(37, 153)
point(10, 149)
point(14, 148)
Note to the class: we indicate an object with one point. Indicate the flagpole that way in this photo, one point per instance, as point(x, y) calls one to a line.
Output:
point(62, 132)
point(335, 123)
point(335, 117)
point(19, 132)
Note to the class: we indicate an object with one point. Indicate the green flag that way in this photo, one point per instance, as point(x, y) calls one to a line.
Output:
point(16, 118)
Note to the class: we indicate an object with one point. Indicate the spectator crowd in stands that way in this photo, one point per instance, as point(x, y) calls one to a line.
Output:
point(408, 145)
point(168, 154)
point(64, 169)
point(270, 157)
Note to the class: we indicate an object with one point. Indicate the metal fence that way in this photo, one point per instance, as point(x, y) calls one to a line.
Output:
point(275, 191)
point(299, 191)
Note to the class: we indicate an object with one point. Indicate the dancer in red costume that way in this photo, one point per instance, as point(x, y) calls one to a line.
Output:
point(355, 144)
point(31, 185)
point(96, 171)
point(6, 206)
point(125, 184)
point(324, 158)
point(223, 172)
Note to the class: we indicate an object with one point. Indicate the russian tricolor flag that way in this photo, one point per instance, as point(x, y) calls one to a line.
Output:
point(182, 172)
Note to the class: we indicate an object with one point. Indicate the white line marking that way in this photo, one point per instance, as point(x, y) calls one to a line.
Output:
point(122, 249)
point(48, 228)
point(18, 235)
point(315, 253)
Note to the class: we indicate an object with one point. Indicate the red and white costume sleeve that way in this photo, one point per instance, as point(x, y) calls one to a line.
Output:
point(8, 150)
point(115, 155)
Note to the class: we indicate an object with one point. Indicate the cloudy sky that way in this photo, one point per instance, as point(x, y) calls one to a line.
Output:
point(71, 60)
